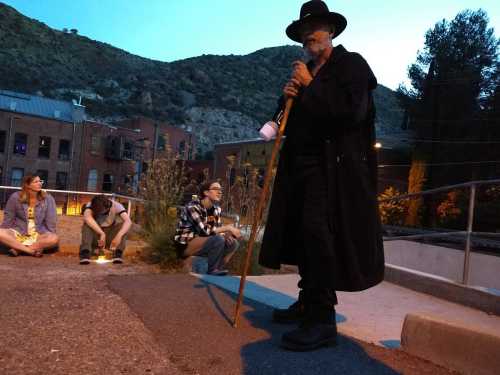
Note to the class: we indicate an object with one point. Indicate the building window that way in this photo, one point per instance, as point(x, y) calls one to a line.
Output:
point(128, 150)
point(44, 176)
point(182, 148)
point(261, 176)
point(95, 144)
point(17, 176)
point(92, 181)
point(2, 141)
point(20, 143)
point(44, 147)
point(64, 149)
point(107, 183)
point(161, 143)
point(61, 180)
point(232, 176)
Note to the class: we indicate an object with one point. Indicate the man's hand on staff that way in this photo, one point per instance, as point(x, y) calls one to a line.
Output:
point(301, 74)
point(300, 78)
point(291, 89)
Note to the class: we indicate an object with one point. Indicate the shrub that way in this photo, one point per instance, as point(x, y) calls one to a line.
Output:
point(448, 211)
point(392, 212)
point(162, 189)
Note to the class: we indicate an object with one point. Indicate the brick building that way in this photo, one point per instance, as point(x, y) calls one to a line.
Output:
point(37, 135)
point(255, 153)
point(52, 139)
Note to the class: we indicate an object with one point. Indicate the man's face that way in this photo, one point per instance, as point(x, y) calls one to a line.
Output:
point(214, 193)
point(316, 38)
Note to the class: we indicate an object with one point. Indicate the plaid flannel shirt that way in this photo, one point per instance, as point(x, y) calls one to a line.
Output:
point(196, 220)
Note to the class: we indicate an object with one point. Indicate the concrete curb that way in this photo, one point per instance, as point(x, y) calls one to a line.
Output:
point(452, 345)
point(443, 288)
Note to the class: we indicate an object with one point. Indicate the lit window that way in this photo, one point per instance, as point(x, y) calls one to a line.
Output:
point(44, 147)
point(92, 181)
point(20, 143)
point(17, 176)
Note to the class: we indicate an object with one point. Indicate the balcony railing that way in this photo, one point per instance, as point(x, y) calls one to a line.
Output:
point(469, 233)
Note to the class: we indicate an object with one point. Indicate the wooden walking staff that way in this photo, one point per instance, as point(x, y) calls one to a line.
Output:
point(260, 207)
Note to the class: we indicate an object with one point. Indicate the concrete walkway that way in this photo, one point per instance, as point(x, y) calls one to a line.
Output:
point(375, 315)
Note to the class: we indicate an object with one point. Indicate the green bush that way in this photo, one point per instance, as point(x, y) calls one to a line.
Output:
point(161, 248)
point(162, 189)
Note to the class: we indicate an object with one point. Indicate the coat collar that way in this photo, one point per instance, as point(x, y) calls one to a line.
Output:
point(337, 54)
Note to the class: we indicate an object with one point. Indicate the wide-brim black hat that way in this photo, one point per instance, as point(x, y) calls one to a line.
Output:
point(316, 10)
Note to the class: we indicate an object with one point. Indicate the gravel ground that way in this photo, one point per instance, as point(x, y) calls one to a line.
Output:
point(58, 317)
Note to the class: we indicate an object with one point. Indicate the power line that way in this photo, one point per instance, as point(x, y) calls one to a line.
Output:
point(443, 164)
point(437, 141)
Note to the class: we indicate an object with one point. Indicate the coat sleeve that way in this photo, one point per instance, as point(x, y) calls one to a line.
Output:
point(9, 213)
point(51, 214)
point(342, 95)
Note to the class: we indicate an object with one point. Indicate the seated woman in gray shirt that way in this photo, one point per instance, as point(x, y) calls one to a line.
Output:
point(29, 222)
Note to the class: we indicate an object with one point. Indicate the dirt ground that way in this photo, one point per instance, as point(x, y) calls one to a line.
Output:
point(58, 317)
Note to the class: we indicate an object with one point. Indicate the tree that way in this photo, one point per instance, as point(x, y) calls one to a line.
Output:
point(453, 83)
point(463, 49)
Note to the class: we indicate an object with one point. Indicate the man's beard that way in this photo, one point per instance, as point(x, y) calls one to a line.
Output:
point(314, 53)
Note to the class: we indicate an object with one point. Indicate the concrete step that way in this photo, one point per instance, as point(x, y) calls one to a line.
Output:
point(459, 346)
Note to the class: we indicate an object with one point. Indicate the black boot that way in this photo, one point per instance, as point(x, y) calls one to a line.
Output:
point(293, 314)
point(316, 330)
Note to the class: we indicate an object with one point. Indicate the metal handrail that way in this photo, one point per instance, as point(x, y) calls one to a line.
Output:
point(112, 195)
point(440, 189)
point(470, 219)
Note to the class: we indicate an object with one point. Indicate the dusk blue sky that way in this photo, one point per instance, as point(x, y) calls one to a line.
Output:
point(387, 33)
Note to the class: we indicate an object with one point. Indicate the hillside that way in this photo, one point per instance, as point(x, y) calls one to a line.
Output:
point(222, 97)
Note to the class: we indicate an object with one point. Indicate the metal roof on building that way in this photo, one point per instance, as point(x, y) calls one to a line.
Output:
point(36, 105)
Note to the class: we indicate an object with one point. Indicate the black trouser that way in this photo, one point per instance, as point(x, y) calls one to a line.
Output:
point(313, 237)
point(90, 238)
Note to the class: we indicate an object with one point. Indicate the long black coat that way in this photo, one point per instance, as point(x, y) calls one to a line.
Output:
point(340, 102)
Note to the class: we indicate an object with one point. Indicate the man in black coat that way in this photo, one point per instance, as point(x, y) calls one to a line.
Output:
point(324, 214)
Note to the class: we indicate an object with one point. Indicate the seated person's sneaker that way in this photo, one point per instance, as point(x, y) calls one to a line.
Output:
point(85, 257)
point(117, 256)
point(293, 314)
point(218, 272)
